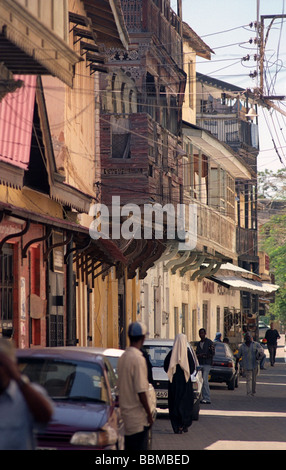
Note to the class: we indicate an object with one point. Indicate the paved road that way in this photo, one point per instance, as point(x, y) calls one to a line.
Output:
point(235, 421)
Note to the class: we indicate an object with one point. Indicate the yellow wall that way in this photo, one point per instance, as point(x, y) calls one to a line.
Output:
point(30, 200)
point(52, 14)
point(189, 105)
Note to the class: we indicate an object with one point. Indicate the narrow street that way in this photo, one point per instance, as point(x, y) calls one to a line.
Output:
point(234, 421)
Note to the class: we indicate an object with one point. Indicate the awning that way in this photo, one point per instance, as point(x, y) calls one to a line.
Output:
point(16, 117)
point(105, 251)
point(242, 284)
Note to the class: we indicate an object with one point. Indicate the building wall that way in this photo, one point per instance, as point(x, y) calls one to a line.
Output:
point(171, 304)
point(29, 287)
point(189, 106)
point(51, 13)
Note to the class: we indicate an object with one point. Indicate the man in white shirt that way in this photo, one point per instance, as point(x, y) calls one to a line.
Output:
point(133, 390)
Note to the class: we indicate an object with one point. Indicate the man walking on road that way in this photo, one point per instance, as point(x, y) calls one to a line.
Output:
point(251, 353)
point(271, 337)
point(133, 390)
point(205, 352)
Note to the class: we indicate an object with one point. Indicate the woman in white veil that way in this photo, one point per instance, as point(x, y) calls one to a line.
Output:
point(179, 365)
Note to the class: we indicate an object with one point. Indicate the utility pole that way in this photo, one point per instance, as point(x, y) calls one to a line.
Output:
point(262, 44)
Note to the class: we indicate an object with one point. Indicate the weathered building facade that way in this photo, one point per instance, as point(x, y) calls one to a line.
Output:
point(50, 266)
point(230, 113)
point(141, 133)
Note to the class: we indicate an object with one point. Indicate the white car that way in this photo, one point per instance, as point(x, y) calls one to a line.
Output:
point(157, 349)
point(113, 355)
point(262, 327)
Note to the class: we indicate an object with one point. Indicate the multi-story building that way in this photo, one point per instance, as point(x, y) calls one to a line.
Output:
point(141, 131)
point(181, 289)
point(152, 153)
point(50, 267)
point(230, 113)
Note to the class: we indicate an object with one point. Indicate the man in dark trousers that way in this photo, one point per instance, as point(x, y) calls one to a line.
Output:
point(271, 337)
point(205, 352)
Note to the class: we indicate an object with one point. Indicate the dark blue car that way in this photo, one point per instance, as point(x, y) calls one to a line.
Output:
point(83, 387)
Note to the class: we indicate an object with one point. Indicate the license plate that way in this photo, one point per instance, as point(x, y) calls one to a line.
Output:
point(162, 393)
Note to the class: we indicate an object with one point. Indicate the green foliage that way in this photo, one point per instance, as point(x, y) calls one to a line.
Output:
point(272, 186)
point(274, 244)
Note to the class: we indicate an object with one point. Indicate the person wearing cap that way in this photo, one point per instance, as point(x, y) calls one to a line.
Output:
point(24, 407)
point(133, 388)
point(179, 364)
point(250, 353)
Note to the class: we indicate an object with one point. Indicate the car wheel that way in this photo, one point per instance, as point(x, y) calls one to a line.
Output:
point(231, 384)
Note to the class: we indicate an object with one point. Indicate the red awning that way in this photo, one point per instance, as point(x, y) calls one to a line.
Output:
point(16, 121)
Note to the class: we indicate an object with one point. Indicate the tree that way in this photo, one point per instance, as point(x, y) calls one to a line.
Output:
point(272, 187)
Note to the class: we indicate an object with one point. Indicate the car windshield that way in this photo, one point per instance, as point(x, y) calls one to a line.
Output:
point(113, 361)
point(67, 379)
point(157, 354)
point(222, 350)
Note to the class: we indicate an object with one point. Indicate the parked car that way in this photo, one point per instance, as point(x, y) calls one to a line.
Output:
point(262, 327)
point(83, 387)
point(157, 349)
point(224, 367)
point(113, 354)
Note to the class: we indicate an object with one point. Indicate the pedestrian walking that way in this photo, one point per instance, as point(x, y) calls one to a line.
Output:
point(218, 337)
point(133, 388)
point(205, 352)
point(179, 364)
point(251, 354)
point(271, 337)
point(24, 407)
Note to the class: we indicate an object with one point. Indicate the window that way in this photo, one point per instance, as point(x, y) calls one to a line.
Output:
point(192, 81)
point(157, 354)
point(218, 319)
point(6, 291)
point(114, 102)
point(121, 145)
point(69, 379)
point(123, 98)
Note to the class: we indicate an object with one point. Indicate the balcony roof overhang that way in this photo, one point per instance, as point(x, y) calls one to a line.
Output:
point(31, 47)
point(107, 22)
point(219, 152)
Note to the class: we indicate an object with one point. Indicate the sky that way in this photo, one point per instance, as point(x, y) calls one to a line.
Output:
point(224, 25)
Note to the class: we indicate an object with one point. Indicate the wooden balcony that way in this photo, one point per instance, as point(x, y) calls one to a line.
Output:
point(215, 232)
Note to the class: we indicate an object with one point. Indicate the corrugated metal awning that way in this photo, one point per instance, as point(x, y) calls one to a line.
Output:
point(247, 285)
point(16, 122)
